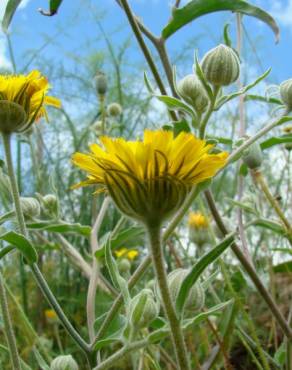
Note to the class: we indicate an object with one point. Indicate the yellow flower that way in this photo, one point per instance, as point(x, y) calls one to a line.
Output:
point(50, 314)
point(131, 254)
point(149, 180)
point(198, 221)
point(28, 95)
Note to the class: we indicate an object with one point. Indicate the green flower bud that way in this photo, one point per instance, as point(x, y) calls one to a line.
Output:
point(124, 265)
point(286, 93)
point(51, 204)
point(221, 66)
point(64, 363)
point(30, 206)
point(143, 309)
point(100, 83)
point(192, 91)
point(196, 297)
point(114, 109)
point(253, 156)
point(12, 117)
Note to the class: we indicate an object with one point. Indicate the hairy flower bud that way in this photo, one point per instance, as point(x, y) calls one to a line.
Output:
point(191, 90)
point(196, 297)
point(51, 204)
point(143, 309)
point(12, 116)
point(124, 265)
point(100, 83)
point(64, 363)
point(114, 109)
point(221, 66)
point(286, 93)
point(253, 156)
point(30, 206)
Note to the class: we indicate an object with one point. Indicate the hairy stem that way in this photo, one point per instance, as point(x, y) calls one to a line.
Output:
point(155, 245)
point(8, 329)
point(34, 268)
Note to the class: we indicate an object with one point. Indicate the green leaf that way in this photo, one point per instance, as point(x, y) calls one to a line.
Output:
point(242, 206)
point(6, 217)
point(60, 227)
point(131, 237)
point(197, 8)
point(283, 267)
point(106, 342)
point(5, 250)
point(198, 269)
point(180, 126)
point(176, 104)
point(276, 141)
point(282, 250)
point(226, 98)
point(41, 362)
point(148, 84)
point(226, 35)
point(9, 12)
point(54, 6)
point(280, 354)
point(264, 99)
point(271, 225)
point(201, 76)
point(159, 334)
point(21, 243)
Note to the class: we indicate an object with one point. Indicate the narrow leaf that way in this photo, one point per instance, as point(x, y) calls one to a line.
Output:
point(6, 250)
point(9, 12)
point(197, 8)
point(176, 104)
point(60, 228)
point(21, 243)
point(198, 269)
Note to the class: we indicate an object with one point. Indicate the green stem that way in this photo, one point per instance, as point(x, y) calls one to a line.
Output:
point(155, 245)
point(11, 342)
point(145, 264)
point(35, 270)
point(207, 116)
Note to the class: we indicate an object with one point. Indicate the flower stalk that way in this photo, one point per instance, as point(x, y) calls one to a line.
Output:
point(34, 268)
point(9, 333)
point(155, 245)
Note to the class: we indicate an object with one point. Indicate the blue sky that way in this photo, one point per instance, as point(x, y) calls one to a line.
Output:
point(29, 29)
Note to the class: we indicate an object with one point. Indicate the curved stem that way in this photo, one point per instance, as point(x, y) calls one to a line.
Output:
point(250, 269)
point(93, 282)
point(155, 245)
point(34, 268)
point(9, 333)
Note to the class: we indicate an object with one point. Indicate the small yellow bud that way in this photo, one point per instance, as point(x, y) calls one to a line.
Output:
point(64, 363)
point(114, 109)
point(30, 206)
point(12, 117)
point(221, 66)
point(124, 265)
point(191, 90)
point(143, 309)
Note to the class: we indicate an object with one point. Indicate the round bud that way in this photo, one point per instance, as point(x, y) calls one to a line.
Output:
point(221, 66)
point(51, 204)
point(30, 206)
point(191, 90)
point(286, 93)
point(114, 109)
point(100, 83)
point(64, 363)
point(124, 265)
point(253, 156)
point(143, 309)
point(196, 297)
point(12, 116)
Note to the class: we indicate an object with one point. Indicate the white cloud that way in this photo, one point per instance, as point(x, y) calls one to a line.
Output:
point(282, 12)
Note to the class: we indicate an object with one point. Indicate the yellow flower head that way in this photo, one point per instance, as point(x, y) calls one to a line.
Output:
point(23, 99)
point(198, 221)
point(149, 180)
point(131, 254)
point(50, 314)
